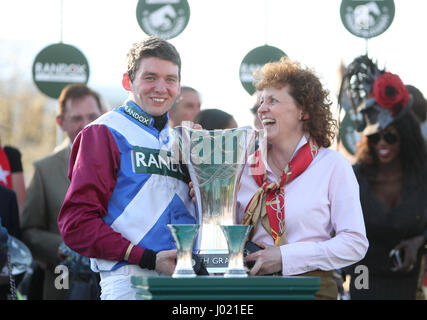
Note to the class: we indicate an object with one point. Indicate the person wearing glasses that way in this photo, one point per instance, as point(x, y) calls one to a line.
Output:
point(391, 168)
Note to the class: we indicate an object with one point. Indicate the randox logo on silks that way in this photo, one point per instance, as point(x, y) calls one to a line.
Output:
point(367, 19)
point(58, 65)
point(138, 116)
point(164, 18)
point(146, 160)
point(254, 60)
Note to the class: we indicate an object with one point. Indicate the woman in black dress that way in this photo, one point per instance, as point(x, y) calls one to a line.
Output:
point(391, 162)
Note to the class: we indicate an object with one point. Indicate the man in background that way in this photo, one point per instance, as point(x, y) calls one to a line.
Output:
point(78, 106)
point(254, 110)
point(186, 106)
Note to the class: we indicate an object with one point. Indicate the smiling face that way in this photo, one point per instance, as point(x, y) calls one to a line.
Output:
point(386, 144)
point(279, 114)
point(155, 86)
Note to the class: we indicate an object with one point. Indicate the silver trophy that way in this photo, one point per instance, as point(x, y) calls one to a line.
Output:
point(236, 237)
point(184, 235)
point(215, 160)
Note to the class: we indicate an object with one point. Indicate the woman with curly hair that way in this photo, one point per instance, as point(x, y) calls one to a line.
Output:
point(301, 197)
point(391, 168)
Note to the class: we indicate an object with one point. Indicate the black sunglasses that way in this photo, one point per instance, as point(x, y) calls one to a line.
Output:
point(389, 137)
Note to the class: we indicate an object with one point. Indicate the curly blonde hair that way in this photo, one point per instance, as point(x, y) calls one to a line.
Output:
point(308, 93)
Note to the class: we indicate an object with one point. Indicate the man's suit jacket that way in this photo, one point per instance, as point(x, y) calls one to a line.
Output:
point(43, 201)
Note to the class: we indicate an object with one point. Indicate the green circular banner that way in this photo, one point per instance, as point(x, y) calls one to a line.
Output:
point(58, 65)
point(256, 59)
point(367, 19)
point(164, 18)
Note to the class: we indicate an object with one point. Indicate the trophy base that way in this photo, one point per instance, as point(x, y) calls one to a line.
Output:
point(235, 273)
point(184, 273)
point(216, 261)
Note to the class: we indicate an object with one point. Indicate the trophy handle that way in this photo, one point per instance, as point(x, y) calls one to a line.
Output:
point(236, 237)
point(184, 235)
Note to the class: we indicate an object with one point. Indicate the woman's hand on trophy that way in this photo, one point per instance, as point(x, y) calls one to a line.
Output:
point(267, 261)
point(166, 261)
